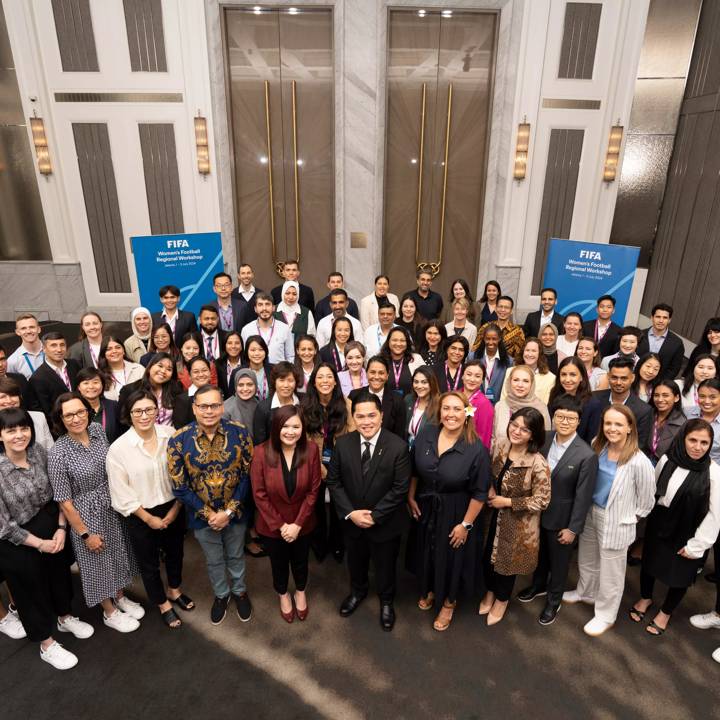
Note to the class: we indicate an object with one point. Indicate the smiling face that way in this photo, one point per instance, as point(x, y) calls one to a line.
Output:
point(285, 387)
point(531, 353)
point(142, 414)
point(520, 383)
point(616, 427)
point(233, 347)
point(208, 408)
point(291, 271)
point(160, 372)
point(199, 373)
point(382, 286)
point(408, 309)
point(325, 381)
point(245, 388)
point(342, 331)
point(504, 309)
point(291, 432)
point(91, 389)
point(169, 301)
point(660, 321)
point(386, 317)
point(605, 309)
point(142, 323)
point(92, 327)
point(74, 416)
point(492, 293)
point(28, 330)
point(572, 327)
point(255, 353)
point(338, 305)
point(620, 380)
point(354, 360)
point(709, 401)
point(306, 351)
point(650, 370)
point(458, 290)
point(713, 337)
point(421, 386)
point(570, 378)
point(473, 377)
point(208, 321)
point(628, 344)
point(189, 350)
point(547, 337)
point(222, 287)
point(368, 419)
point(246, 275)
point(460, 312)
point(548, 301)
point(664, 399)
point(377, 376)
point(161, 340)
point(492, 340)
point(16, 439)
point(290, 295)
point(55, 350)
point(433, 337)
point(424, 282)
point(455, 353)
point(114, 353)
point(397, 342)
point(264, 309)
point(9, 401)
point(452, 413)
point(518, 432)
point(704, 370)
point(586, 351)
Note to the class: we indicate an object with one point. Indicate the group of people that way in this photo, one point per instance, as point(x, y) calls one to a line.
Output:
point(274, 426)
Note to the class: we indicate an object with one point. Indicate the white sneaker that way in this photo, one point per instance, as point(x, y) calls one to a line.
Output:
point(716, 655)
point(573, 596)
point(121, 622)
point(706, 621)
point(11, 626)
point(81, 630)
point(597, 627)
point(130, 607)
point(58, 657)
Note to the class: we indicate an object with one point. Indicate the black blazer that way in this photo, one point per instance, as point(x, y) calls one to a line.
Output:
point(531, 328)
point(672, 354)
point(610, 342)
point(25, 391)
point(262, 421)
point(221, 335)
point(242, 315)
point(111, 412)
point(572, 486)
point(222, 378)
point(393, 409)
point(323, 308)
point(46, 386)
point(80, 353)
point(182, 411)
point(590, 423)
point(306, 299)
point(383, 492)
point(185, 323)
point(248, 305)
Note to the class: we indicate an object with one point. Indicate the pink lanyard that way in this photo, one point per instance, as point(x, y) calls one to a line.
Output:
point(414, 428)
point(397, 372)
point(490, 370)
point(63, 373)
point(598, 336)
point(336, 359)
point(655, 437)
point(272, 330)
point(230, 369)
point(263, 392)
point(92, 354)
point(288, 321)
point(474, 395)
point(455, 383)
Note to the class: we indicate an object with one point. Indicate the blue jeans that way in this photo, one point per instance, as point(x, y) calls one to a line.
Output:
point(225, 555)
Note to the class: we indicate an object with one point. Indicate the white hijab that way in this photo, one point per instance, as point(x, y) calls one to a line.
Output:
point(283, 307)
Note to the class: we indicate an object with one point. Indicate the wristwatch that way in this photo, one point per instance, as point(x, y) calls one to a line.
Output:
point(467, 525)
point(85, 536)
point(229, 513)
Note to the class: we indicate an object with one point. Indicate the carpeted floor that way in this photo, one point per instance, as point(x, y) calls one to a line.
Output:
point(330, 667)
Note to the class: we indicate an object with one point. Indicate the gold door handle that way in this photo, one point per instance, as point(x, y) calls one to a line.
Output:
point(271, 204)
point(420, 174)
point(295, 172)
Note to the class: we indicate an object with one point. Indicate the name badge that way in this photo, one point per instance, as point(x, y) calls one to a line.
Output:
point(326, 455)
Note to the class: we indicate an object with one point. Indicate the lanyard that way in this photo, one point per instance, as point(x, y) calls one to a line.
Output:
point(655, 437)
point(289, 321)
point(474, 395)
point(456, 382)
point(598, 336)
point(272, 330)
point(489, 368)
point(63, 373)
point(93, 355)
point(397, 371)
point(29, 364)
point(336, 359)
point(415, 426)
point(230, 369)
point(116, 380)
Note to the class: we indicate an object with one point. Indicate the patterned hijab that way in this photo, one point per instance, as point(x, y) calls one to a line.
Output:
point(515, 402)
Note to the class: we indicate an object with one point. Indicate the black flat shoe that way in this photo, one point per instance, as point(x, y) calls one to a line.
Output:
point(530, 593)
point(387, 617)
point(350, 604)
point(183, 602)
point(549, 614)
point(171, 619)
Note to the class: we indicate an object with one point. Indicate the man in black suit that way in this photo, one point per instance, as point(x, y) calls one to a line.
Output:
point(232, 314)
point(368, 478)
point(322, 309)
point(658, 339)
point(246, 291)
point(213, 338)
point(535, 320)
point(603, 330)
point(181, 322)
point(55, 376)
point(620, 377)
point(393, 407)
point(574, 468)
point(291, 271)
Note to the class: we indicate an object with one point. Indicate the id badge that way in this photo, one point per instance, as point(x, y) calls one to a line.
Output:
point(490, 395)
point(326, 455)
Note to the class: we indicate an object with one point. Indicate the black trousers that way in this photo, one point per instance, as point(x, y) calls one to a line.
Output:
point(328, 534)
point(40, 583)
point(553, 564)
point(716, 556)
point(147, 544)
point(285, 556)
point(500, 585)
point(672, 599)
point(360, 551)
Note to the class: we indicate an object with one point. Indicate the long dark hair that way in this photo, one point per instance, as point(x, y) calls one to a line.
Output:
point(385, 349)
point(197, 338)
point(645, 358)
point(703, 346)
point(223, 351)
point(495, 284)
point(502, 353)
point(315, 414)
point(171, 388)
point(439, 325)
point(672, 386)
point(103, 364)
point(434, 395)
point(273, 447)
point(173, 348)
point(261, 342)
point(298, 362)
point(465, 287)
point(583, 392)
point(346, 319)
point(689, 375)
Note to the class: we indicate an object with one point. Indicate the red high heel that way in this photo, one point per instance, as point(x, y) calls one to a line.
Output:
point(288, 617)
point(301, 614)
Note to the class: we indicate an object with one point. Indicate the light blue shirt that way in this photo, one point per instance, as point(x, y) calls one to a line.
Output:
point(605, 477)
point(655, 342)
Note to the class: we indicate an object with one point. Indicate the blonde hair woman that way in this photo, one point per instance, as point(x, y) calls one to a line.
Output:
point(520, 394)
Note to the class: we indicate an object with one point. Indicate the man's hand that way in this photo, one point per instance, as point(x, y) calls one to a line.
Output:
point(566, 537)
point(362, 518)
point(218, 520)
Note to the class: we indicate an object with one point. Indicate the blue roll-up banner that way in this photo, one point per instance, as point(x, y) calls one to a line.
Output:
point(188, 260)
point(581, 272)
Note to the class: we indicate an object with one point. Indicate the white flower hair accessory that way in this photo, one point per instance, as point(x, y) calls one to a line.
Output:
point(469, 411)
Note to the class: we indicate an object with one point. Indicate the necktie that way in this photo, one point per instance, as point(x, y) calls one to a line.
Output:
point(365, 459)
point(208, 345)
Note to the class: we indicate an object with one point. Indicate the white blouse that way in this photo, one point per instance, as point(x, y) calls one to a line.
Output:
point(565, 348)
point(707, 532)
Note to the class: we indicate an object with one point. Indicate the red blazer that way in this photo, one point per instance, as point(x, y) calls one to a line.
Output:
point(274, 508)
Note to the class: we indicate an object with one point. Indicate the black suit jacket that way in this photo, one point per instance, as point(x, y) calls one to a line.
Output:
point(323, 308)
point(184, 324)
point(111, 411)
point(46, 386)
point(672, 354)
point(80, 353)
point(590, 423)
point(531, 328)
point(26, 394)
point(242, 313)
point(306, 299)
point(393, 409)
point(610, 342)
point(384, 490)
point(572, 486)
point(248, 305)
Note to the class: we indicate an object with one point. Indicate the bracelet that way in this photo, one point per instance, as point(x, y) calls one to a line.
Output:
point(62, 527)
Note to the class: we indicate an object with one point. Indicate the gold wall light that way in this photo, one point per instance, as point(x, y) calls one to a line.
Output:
point(201, 145)
point(521, 151)
point(613, 153)
point(37, 126)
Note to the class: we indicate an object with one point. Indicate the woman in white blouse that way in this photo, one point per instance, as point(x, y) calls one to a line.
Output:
point(567, 342)
point(684, 523)
point(460, 324)
point(116, 368)
point(701, 367)
point(369, 304)
point(141, 490)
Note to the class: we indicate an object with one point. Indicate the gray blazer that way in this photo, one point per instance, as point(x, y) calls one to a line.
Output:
point(572, 486)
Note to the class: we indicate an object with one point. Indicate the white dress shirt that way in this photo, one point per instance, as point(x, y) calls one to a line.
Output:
point(278, 337)
point(324, 329)
point(373, 442)
point(374, 339)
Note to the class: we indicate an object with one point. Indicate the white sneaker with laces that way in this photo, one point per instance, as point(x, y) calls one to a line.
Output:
point(120, 621)
point(597, 627)
point(573, 596)
point(81, 630)
point(706, 620)
point(716, 655)
point(57, 656)
point(11, 626)
point(130, 607)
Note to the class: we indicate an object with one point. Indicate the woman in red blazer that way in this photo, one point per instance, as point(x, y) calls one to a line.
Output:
point(285, 474)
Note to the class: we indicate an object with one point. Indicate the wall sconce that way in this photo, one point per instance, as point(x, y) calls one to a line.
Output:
point(201, 145)
point(613, 153)
point(37, 126)
point(521, 151)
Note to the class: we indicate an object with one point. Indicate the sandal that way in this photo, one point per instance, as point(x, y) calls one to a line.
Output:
point(426, 603)
point(637, 615)
point(444, 618)
point(183, 602)
point(652, 624)
point(171, 619)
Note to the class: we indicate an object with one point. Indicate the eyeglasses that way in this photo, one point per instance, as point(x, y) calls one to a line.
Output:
point(223, 286)
point(566, 418)
point(149, 411)
point(71, 416)
point(519, 428)
point(210, 407)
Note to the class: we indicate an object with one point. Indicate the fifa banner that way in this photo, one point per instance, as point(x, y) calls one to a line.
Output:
point(188, 260)
point(581, 272)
